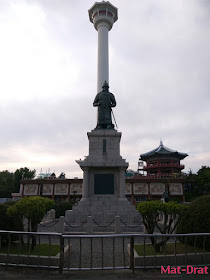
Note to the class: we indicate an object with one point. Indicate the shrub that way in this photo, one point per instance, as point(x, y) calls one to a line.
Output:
point(150, 211)
point(33, 209)
point(61, 208)
point(3, 217)
point(196, 220)
point(10, 202)
point(176, 199)
point(9, 223)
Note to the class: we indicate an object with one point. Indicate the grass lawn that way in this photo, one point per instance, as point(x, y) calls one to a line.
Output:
point(170, 249)
point(42, 250)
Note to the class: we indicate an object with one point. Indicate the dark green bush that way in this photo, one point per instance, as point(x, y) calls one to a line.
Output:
point(196, 220)
point(61, 207)
point(4, 225)
point(176, 199)
point(9, 223)
point(10, 202)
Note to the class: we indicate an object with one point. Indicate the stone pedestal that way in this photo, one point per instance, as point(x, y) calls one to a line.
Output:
point(103, 186)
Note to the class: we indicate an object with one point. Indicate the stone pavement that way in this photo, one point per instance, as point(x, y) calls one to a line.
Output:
point(34, 274)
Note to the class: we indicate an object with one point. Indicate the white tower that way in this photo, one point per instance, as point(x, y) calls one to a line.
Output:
point(103, 191)
point(103, 15)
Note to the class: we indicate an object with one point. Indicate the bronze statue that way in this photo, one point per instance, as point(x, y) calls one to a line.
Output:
point(166, 196)
point(104, 100)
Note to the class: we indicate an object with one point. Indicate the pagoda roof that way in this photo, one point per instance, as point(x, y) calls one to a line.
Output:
point(162, 151)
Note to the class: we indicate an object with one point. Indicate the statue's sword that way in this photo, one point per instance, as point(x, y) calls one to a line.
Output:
point(114, 118)
point(112, 113)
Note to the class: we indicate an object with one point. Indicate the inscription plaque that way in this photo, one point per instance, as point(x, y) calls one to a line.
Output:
point(104, 184)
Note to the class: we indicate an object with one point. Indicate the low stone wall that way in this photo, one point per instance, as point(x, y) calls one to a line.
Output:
point(29, 260)
point(34, 260)
point(179, 259)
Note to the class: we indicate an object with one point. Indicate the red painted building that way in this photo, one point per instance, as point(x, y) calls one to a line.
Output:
point(163, 162)
point(163, 172)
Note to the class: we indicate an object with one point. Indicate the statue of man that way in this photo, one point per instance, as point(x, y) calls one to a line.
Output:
point(166, 196)
point(104, 100)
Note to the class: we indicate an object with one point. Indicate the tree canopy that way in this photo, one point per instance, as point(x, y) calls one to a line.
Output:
point(6, 183)
point(197, 184)
point(10, 181)
point(196, 220)
point(203, 179)
point(151, 211)
point(22, 173)
point(33, 209)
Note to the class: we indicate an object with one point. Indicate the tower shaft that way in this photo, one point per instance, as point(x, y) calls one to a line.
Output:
point(103, 15)
point(103, 55)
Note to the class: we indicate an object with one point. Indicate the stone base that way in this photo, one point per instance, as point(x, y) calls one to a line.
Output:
point(103, 210)
point(103, 197)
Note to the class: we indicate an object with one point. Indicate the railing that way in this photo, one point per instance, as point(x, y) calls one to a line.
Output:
point(160, 175)
point(92, 252)
point(148, 166)
point(165, 175)
point(30, 249)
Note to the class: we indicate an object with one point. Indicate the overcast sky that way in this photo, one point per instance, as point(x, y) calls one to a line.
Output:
point(159, 73)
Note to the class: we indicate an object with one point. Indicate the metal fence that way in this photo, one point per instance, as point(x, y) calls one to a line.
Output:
point(108, 251)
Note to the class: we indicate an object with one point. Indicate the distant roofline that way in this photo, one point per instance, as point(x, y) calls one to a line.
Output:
point(162, 150)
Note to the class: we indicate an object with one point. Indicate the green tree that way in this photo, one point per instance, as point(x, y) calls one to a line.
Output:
point(4, 225)
point(33, 209)
point(191, 190)
point(22, 173)
point(196, 220)
point(7, 222)
point(203, 180)
point(6, 183)
point(197, 184)
point(61, 208)
point(151, 211)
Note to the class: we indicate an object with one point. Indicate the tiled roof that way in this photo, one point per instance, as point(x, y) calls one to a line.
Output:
point(162, 150)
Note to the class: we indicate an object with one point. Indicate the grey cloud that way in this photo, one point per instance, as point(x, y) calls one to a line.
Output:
point(159, 73)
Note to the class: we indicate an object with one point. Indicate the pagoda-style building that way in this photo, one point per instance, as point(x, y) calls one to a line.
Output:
point(163, 162)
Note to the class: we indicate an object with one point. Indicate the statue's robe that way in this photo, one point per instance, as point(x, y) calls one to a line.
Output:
point(104, 100)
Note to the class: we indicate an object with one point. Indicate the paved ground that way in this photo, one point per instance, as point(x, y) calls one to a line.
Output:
point(29, 274)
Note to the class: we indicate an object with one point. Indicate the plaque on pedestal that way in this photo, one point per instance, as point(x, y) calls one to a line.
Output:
point(104, 184)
